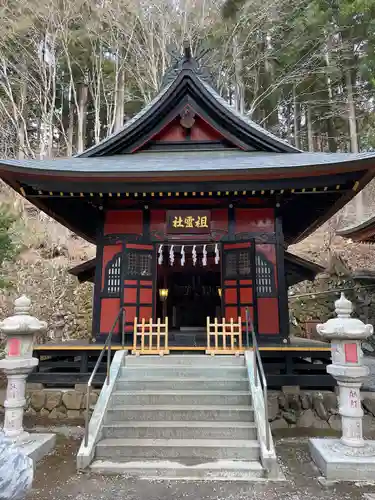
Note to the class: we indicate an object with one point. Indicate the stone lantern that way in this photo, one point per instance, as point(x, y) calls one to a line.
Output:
point(351, 457)
point(18, 363)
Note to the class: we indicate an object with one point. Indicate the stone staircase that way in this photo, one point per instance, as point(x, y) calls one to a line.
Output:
point(180, 417)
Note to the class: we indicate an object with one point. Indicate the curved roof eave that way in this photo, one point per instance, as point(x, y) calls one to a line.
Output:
point(194, 163)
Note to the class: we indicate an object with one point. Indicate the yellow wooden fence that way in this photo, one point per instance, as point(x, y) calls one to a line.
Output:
point(150, 337)
point(224, 337)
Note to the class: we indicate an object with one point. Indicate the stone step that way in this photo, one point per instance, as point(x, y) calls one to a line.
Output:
point(181, 430)
point(185, 360)
point(205, 449)
point(161, 383)
point(186, 413)
point(147, 397)
point(173, 371)
point(218, 470)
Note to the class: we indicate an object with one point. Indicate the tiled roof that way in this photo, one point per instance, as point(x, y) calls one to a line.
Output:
point(366, 227)
point(198, 161)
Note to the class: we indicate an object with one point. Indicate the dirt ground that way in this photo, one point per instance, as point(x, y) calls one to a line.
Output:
point(57, 479)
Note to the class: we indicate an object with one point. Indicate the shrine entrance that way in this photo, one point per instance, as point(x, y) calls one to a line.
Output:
point(189, 290)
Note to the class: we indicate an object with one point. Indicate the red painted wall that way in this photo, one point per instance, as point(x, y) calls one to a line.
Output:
point(254, 220)
point(262, 221)
point(121, 222)
point(200, 131)
point(248, 223)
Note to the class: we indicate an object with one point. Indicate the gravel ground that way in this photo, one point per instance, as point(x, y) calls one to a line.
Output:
point(56, 479)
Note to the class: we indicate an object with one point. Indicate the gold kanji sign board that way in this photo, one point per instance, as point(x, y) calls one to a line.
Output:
point(188, 221)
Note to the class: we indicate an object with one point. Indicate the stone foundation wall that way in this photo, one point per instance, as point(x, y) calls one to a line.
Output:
point(56, 404)
point(313, 409)
point(290, 407)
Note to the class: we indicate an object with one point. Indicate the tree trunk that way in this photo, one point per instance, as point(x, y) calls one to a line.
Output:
point(22, 120)
point(310, 133)
point(352, 120)
point(120, 101)
point(332, 137)
point(70, 131)
point(239, 86)
point(81, 114)
point(351, 113)
point(297, 118)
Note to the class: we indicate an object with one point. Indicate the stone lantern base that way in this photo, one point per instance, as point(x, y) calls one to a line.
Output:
point(36, 446)
point(18, 363)
point(344, 463)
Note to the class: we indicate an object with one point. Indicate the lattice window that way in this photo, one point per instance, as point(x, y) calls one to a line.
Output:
point(237, 264)
point(230, 265)
point(265, 278)
point(132, 267)
point(244, 267)
point(139, 264)
point(113, 276)
point(145, 264)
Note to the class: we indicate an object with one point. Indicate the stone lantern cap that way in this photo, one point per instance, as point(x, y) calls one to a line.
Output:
point(344, 326)
point(22, 323)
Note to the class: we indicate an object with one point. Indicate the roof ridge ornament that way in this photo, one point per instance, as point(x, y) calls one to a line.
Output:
point(187, 51)
point(193, 59)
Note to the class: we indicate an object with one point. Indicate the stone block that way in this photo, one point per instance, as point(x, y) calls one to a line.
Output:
point(293, 402)
point(369, 405)
point(58, 413)
point(93, 399)
point(335, 422)
point(283, 403)
point(279, 423)
point(306, 401)
point(72, 400)
point(273, 407)
point(318, 405)
point(73, 414)
point(290, 417)
point(53, 399)
point(31, 412)
point(3, 394)
point(34, 386)
point(291, 389)
point(80, 388)
point(44, 413)
point(368, 423)
point(307, 419)
point(321, 424)
point(330, 402)
point(37, 400)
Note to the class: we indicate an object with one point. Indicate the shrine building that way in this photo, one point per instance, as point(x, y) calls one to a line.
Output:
point(192, 207)
point(363, 232)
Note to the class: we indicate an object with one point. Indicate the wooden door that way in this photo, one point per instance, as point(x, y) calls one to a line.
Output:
point(138, 295)
point(238, 272)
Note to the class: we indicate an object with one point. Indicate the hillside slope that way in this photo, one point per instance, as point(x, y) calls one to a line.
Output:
point(46, 251)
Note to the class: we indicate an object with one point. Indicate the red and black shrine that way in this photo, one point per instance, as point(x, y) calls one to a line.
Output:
point(192, 207)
